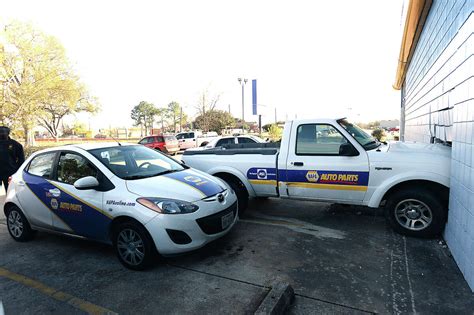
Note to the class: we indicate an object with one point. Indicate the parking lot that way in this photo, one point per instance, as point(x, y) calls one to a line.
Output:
point(338, 260)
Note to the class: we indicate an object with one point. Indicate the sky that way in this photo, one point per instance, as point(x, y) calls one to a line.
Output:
point(311, 59)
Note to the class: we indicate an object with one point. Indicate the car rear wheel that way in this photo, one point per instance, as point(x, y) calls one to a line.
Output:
point(18, 226)
point(416, 212)
point(134, 247)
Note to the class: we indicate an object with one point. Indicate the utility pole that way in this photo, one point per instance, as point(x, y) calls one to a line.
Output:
point(242, 84)
point(229, 108)
point(181, 119)
point(276, 115)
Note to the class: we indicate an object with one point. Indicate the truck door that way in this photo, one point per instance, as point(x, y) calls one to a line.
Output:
point(315, 169)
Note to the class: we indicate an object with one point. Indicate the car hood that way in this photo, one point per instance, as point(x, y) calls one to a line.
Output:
point(188, 185)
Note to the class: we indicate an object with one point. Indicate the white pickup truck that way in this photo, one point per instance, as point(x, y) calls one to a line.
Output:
point(333, 160)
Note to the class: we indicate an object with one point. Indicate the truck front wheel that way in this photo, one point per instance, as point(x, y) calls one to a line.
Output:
point(416, 212)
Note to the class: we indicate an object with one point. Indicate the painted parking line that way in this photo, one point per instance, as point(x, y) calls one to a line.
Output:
point(55, 294)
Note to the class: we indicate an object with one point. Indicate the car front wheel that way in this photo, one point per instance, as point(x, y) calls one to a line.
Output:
point(134, 246)
point(416, 212)
point(18, 226)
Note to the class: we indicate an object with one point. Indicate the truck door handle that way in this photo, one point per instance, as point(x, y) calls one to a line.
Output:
point(297, 163)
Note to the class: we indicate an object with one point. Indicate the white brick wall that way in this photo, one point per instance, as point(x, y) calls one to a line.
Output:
point(439, 104)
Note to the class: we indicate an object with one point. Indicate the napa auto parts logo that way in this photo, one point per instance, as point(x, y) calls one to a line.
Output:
point(312, 176)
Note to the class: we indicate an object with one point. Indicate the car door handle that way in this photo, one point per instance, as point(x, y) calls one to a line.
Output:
point(297, 163)
point(21, 183)
point(55, 192)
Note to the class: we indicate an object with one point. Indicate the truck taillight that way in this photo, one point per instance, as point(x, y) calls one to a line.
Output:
point(9, 180)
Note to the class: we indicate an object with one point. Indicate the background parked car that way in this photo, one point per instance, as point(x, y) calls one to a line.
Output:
point(166, 144)
point(220, 141)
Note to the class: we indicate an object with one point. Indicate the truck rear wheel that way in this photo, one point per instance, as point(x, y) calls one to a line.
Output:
point(416, 212)
point(239, 188)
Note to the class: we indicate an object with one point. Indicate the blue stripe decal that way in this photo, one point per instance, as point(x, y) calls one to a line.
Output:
point(310, 176)
point(204, 184)
point(325, 177)
point(83, 219)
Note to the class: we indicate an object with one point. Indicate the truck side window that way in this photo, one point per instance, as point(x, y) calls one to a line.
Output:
point(318, 139)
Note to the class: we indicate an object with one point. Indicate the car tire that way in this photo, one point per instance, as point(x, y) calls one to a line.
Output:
point(133, 245)
point(416, 212)
point(18, 226)
point(240, 192)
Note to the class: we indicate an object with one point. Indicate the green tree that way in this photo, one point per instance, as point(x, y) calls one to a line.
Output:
point(275, 132)
point(207, 103)
point(215, 120)
point(378, 134)
point(37, 81)
point(176, 115)
point(143, 115)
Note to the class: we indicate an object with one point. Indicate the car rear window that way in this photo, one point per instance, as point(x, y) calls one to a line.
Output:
point(170, 138)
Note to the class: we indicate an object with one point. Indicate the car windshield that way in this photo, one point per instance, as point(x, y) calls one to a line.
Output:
point(135, 161)
point(364, 139)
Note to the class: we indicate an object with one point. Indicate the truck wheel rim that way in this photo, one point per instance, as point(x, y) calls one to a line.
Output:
point(413, 214)
point(15, 224)
point(130, 247)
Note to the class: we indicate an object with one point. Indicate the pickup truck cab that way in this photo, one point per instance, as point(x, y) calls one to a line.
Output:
point(335, 161)
point(194, 139)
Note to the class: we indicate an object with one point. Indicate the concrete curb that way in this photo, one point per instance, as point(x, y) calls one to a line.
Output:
point(277, 300)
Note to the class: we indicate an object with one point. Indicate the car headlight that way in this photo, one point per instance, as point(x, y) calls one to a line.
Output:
point(167, 206)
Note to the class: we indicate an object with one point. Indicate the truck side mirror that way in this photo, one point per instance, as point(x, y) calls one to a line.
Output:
point(347, 149)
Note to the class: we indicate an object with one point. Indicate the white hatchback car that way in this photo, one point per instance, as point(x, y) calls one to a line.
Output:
point(133, 197)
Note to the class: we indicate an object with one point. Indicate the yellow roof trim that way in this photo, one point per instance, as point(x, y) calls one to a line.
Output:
point(414, 22)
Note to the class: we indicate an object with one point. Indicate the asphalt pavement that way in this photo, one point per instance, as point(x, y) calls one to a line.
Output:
point(338, 259)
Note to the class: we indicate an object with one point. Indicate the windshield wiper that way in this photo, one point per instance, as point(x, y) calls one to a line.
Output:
point(378, 144)
point(131, 177)
point(166, 172)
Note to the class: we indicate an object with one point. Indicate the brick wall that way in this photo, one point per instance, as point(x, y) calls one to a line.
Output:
point(438, 97)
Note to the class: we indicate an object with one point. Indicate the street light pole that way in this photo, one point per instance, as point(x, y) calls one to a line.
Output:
point(242, 84)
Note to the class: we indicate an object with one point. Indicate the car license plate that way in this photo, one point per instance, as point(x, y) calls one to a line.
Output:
point(227, 220)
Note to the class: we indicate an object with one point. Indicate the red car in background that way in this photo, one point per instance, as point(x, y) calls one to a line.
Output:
point(166, 144)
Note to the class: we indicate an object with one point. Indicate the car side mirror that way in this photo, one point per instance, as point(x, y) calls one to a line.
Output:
point(347, 149)
point(88, 182)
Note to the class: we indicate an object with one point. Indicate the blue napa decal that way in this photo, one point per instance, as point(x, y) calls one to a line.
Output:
point(262, 173)
point(325, 177)
point(205, 185)
point(84, 219)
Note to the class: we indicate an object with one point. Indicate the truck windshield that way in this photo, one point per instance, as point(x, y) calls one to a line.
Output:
point(135, 161)
point(364, 139)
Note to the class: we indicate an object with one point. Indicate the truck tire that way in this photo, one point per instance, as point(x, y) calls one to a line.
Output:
point(416, 212)
point(240, 191)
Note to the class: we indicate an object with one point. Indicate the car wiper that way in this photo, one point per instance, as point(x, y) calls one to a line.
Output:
point(131, 177)
point(166, 172)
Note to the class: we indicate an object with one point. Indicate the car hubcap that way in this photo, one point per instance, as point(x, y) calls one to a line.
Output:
point(413, 214)
point(130, 247)
point(15, 224)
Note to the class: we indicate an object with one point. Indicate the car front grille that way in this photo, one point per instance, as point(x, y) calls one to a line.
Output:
point(213, 224)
